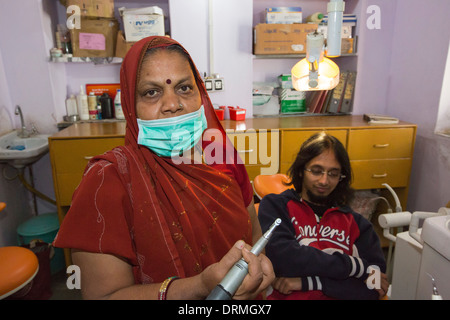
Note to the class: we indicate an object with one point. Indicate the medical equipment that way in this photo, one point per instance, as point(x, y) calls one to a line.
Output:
point(229, 285)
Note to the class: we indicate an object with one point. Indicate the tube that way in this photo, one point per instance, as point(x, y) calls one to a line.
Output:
point(231, 282)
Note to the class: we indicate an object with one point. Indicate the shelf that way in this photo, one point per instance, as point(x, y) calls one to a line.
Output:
point(294, 56)
point(94, 60)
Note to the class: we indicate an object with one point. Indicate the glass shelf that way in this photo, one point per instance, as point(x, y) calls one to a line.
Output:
point(294, 56)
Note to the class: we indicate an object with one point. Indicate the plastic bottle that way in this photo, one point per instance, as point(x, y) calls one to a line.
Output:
point(107, 108)
point(71, 106)
point(82, 101)
point(315, 17)
point(118, 106)
point(92, 105)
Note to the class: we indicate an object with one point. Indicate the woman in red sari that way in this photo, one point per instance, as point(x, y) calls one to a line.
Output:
point(141, 217)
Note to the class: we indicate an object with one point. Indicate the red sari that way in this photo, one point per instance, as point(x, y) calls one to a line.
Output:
point(165, 219)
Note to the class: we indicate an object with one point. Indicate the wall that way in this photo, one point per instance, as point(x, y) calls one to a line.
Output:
point(24, 45)
point(419, 52)
point(11, 190)
point(232, 44)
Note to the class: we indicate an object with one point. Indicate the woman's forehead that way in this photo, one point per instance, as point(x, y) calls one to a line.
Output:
point(164, 65)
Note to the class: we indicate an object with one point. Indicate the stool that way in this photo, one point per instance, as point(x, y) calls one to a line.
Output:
point(18, 266)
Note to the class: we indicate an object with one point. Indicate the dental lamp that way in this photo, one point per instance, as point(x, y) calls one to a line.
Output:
point(316, 72)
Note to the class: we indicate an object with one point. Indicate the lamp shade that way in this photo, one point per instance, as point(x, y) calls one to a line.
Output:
point(328, 75)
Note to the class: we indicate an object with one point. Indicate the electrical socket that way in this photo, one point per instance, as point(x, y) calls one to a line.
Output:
point(214, 84)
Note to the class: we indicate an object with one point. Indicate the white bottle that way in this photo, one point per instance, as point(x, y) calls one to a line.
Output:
point(118, 106)
point(71, 106)
point(82, 101)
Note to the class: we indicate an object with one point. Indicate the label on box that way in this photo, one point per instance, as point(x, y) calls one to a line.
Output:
point(284, 15)
point(92, 41)
point(139, 26)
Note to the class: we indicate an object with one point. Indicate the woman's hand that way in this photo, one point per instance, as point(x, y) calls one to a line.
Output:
point(260, 272)
point(287, 285)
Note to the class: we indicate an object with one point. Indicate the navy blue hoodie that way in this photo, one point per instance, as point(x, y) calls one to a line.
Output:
point(331, 254)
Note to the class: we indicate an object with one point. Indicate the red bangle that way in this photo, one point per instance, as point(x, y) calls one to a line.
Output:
point(164, 287)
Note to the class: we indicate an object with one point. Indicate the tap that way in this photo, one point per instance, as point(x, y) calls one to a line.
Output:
point(23, 132)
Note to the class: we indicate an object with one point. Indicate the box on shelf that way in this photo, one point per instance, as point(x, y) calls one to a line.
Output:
point(237, 114)
point(292, 100)
point(285, 81)
point(100, 88)
point(346, 30)
point(284, 15)
point(92, 8)
point(220, 113)
point(96, 38)
point(140, 23)
point(282, 38)
point(122, 46)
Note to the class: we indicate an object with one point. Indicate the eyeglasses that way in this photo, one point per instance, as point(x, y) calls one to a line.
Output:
point(332, 174)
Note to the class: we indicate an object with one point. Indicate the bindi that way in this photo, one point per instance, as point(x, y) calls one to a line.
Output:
point(168, 81)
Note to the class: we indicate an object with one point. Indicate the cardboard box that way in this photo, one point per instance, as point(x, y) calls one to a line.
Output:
point(92, 8)
point(284, 15)
point(122, 46)
point(96, 38)
point(282, 38)
point(285, 81)
point(142, 22)
point(292, 100)
point(100, 88)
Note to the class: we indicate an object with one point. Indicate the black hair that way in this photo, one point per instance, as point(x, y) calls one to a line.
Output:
point(313, 147)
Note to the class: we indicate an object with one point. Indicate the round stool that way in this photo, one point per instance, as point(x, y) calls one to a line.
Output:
point(18, 266)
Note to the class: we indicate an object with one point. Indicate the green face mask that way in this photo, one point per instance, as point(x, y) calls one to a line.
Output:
point(172, 136)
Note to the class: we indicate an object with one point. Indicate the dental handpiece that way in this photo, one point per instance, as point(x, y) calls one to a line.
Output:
point(226, 289)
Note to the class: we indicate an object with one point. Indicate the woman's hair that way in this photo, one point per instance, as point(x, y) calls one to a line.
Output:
point(313, 147)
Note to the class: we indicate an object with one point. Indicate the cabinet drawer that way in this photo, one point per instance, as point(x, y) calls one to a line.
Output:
point(380, 143)
point(291, 141)
point(72, 156)
point(257, 148)
point(370, 174)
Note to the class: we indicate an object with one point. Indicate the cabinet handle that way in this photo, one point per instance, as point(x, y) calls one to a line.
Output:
point(245, 151)
point(384, 175)
point(381, 145)
point(88, 157)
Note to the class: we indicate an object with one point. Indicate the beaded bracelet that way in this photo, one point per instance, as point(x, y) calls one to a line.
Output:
point(164, 287)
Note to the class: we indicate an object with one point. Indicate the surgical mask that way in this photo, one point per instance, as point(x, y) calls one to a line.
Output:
point(172, 136)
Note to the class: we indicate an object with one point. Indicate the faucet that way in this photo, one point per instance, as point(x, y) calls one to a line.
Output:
point(23, 132)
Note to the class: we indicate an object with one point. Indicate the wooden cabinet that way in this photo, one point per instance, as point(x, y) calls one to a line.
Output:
point(291, 141)
point(378, 153)
point(381, 156)
point(258, 149)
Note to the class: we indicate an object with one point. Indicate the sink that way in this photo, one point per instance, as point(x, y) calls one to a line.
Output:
point(21, 152)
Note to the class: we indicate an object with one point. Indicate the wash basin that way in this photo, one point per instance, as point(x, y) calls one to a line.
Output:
point(21, 152)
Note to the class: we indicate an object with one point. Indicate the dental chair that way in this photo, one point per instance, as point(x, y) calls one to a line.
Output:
point(266, 184)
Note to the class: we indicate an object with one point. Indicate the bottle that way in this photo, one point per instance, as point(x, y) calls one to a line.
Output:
point(315, 17)
point(106, 103)
point(71, 106)
point(118, 106)
point(82, 101)
point(92, 106)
